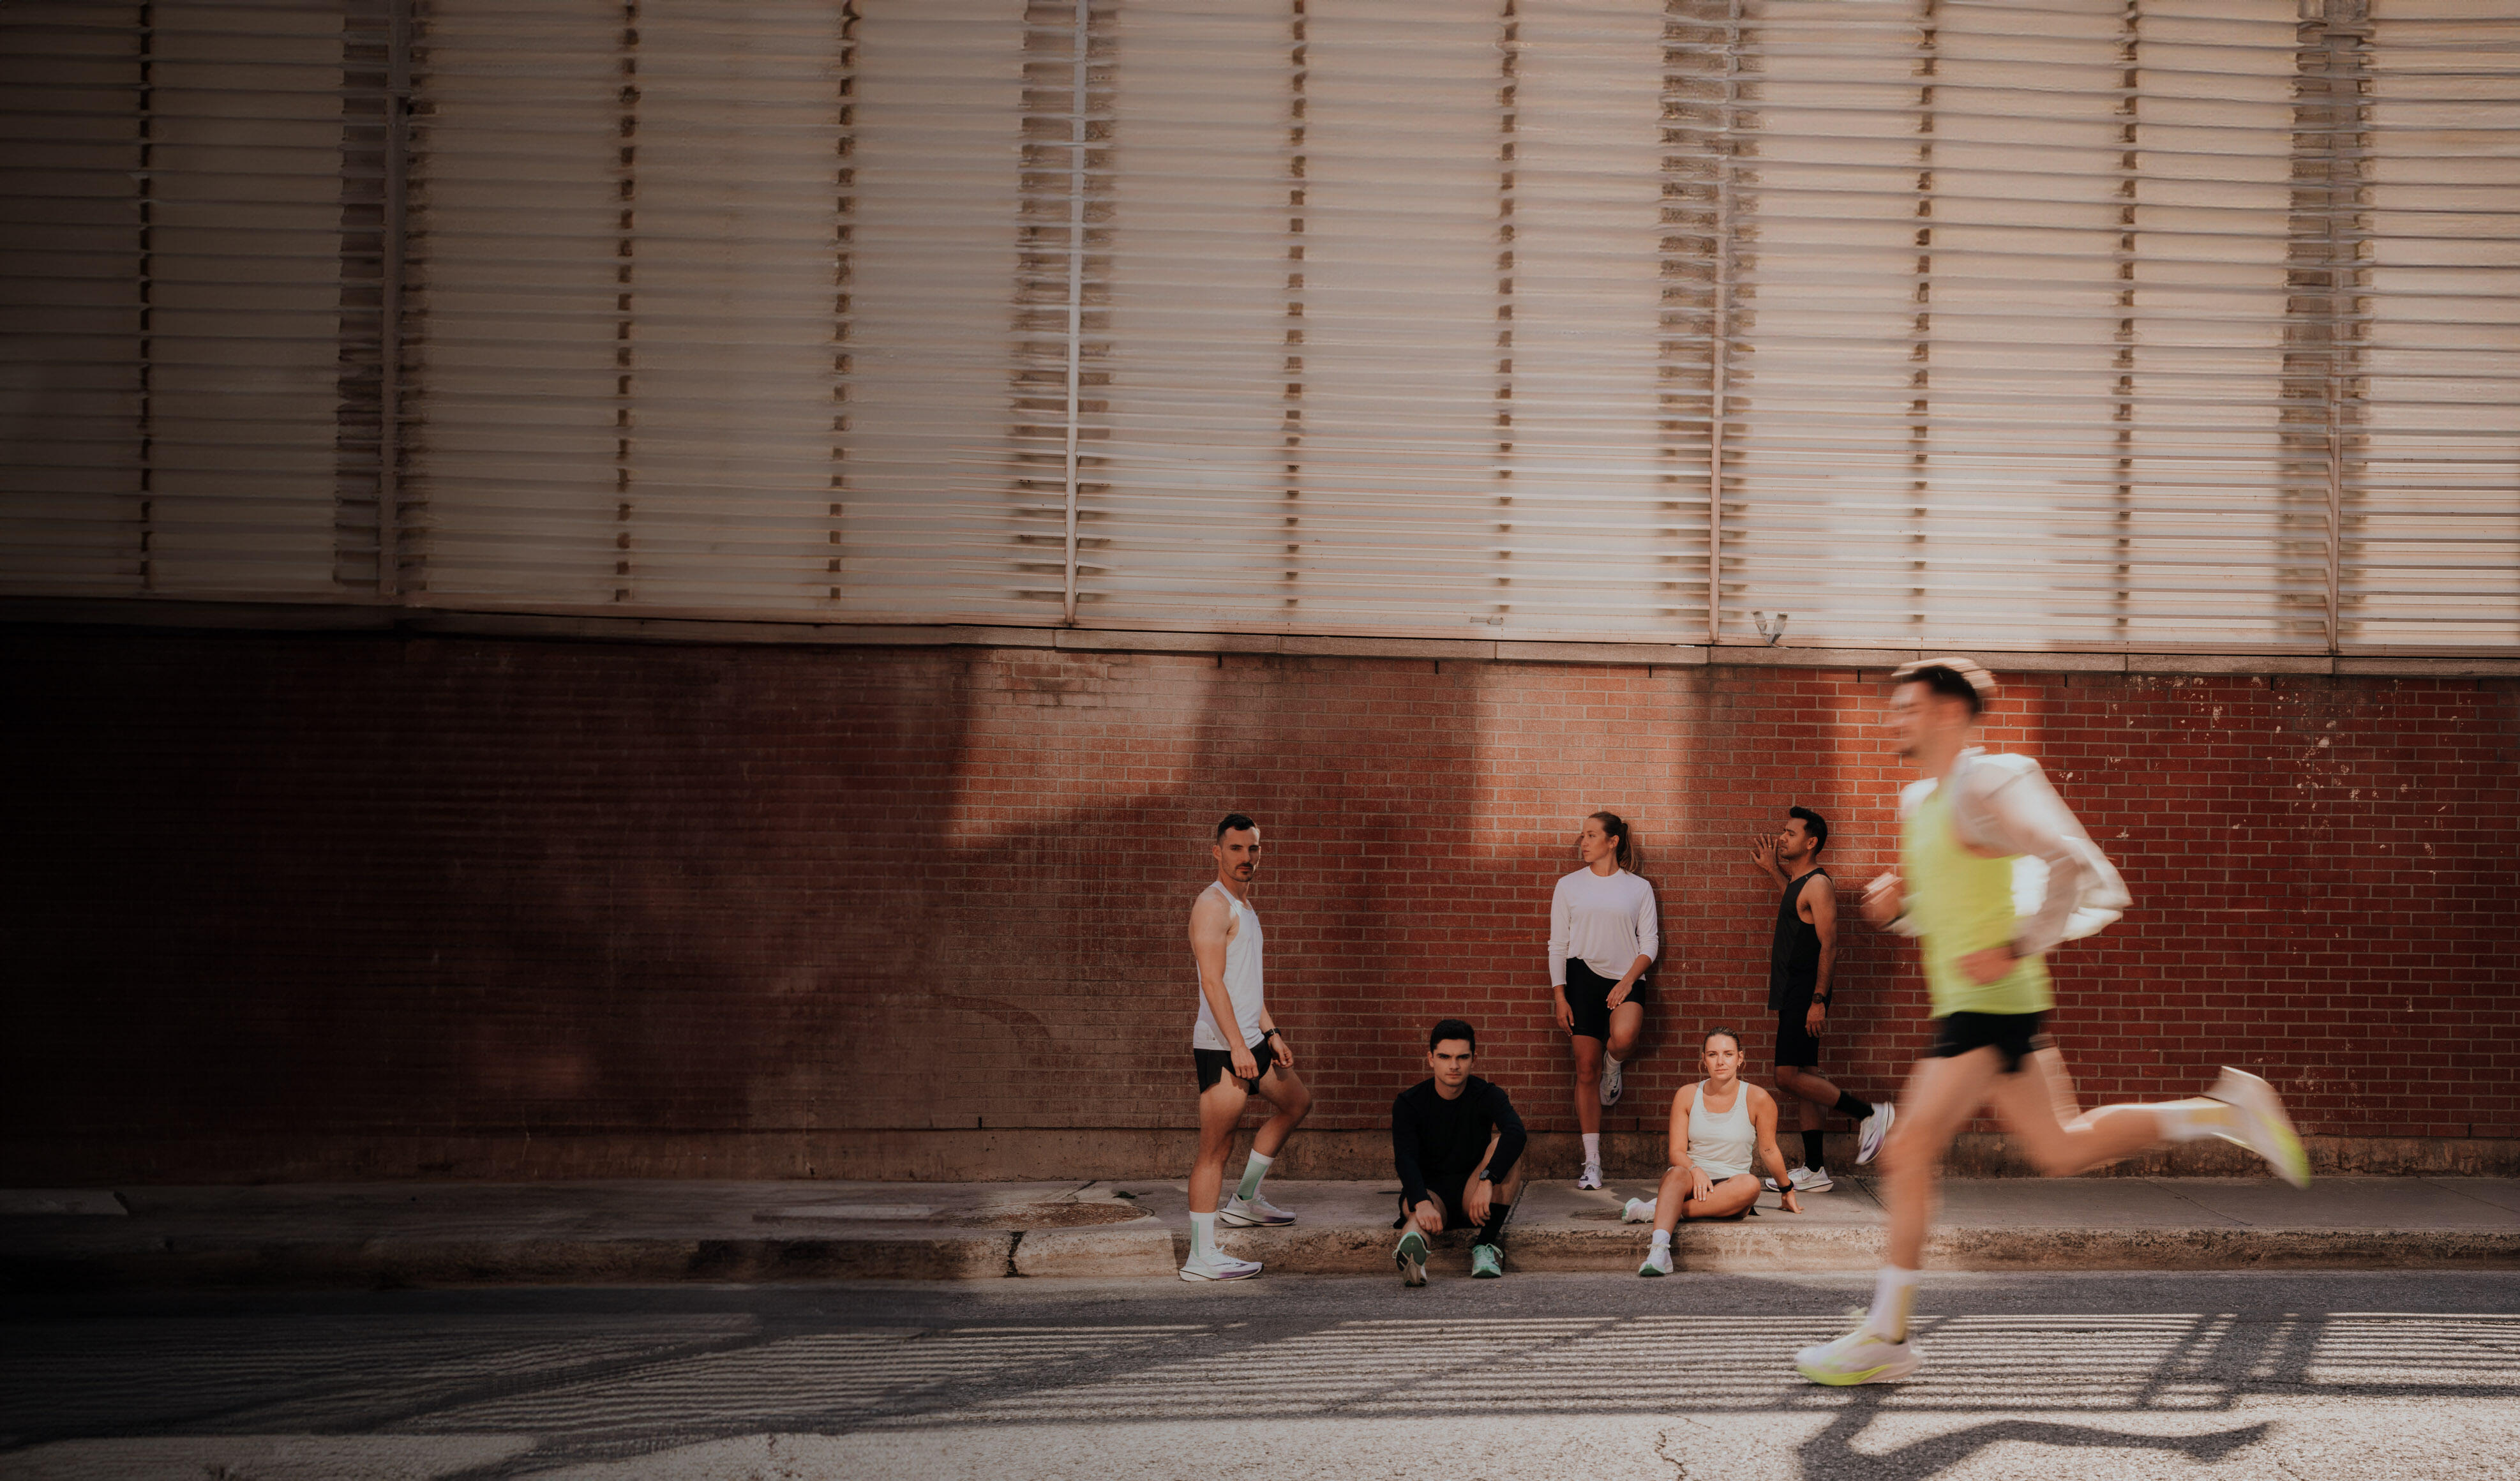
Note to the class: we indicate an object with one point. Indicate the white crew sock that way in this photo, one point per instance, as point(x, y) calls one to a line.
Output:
point(1613, 1061)
point(2188, 1120)
point(1203, 1235)
point(1252, 1172)
point(1591, 1148)
point(1662, 1238)
point(1892, 1295)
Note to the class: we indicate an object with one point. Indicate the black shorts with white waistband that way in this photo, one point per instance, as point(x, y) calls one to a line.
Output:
point(1214, 1063)
point(2016, 1036)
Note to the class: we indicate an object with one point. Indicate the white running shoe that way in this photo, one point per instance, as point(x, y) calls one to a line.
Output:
point(1806, 1180)
point(2264, 1127)
point(1872, 1131)
point(1859, 1357)
point(1657, 1262)
point(1615, 1080)
point(1591, 1176)
point(1411, 1257)
point(1219, 1268)
point(1639, 1211)
point(1248, 1213)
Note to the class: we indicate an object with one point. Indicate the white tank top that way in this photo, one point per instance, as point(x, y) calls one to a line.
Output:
point(1721, 1144)
point(1242, 980)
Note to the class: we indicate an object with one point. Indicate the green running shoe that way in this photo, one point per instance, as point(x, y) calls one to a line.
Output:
point(2263, 1128)
point(1487, 1262)
point(1411, 1257)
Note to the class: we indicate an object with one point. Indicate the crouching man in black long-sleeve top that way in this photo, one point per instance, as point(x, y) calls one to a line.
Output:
point(1456, 1140)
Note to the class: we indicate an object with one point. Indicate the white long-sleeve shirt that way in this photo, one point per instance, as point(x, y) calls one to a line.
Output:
point(2064, 887)
point(1605, 919)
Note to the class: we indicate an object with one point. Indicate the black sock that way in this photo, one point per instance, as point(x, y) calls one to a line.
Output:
point(1493, 1231)
point(1848, 1105)
point(1811, 1150)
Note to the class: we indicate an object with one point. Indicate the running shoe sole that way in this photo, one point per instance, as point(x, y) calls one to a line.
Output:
point(2264, 1128)
point(1895, 1370)
point(1638, 1211)
point(1235, 1220)
point(1221, 1273)
point(1874, 1131)
point(1411, 1257)
point(1648, 1268)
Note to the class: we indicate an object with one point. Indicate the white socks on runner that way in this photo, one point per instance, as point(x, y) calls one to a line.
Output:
point(1252, 1172)
point(1202, 1234)
point(1892, 1295)
point(1591, 1148)
point(2188, 1120)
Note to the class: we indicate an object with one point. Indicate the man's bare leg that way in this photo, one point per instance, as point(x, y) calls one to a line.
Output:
point(1941, 1098)
point(1220, 1111)
point(1290, 1102)
point(1292, 1099)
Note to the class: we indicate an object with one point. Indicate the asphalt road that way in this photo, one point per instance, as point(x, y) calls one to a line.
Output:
point(2406, 1375)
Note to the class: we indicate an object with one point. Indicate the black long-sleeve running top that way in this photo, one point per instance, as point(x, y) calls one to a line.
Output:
point(1431, 1134)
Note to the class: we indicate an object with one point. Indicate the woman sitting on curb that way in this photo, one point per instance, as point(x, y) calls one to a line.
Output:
point(1714, 1125)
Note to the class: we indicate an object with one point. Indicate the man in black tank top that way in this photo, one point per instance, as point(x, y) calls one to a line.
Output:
point(1800, 963)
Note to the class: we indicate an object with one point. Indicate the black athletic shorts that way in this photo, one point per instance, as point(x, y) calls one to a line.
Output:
point(1588, 993)
point(1451, 1189)
point(2016, 1034)
point(1795, 1046)
point(1214, 1062)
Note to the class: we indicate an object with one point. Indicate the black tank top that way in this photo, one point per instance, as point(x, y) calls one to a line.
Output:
point(1793, 960)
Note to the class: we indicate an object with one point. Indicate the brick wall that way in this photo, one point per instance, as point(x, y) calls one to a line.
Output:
point(340, 906)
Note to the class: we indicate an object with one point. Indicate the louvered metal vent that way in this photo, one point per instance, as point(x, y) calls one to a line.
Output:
point(2070, 324)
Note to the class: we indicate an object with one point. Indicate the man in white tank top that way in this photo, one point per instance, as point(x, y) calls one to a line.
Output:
point(1238, 1053)
point(1719, 1127)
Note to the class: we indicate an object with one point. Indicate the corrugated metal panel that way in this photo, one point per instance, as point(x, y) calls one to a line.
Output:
point(2432, 504)
point(629, 249)
point(2060, 324)
point(177, 250)
point(2015, 314)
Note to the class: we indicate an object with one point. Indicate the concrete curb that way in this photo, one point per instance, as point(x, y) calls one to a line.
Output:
point(1146, 1250)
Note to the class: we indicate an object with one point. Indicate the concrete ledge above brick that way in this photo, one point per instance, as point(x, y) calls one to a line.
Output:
point(704, 627)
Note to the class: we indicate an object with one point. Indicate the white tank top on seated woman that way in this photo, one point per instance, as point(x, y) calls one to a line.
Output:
point(1720, 1142)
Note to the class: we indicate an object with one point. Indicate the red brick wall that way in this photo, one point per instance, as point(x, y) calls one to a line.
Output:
point(353, 889)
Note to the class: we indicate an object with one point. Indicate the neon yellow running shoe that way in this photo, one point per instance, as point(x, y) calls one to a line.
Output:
point(2263, 1127)
point(1859, 1357)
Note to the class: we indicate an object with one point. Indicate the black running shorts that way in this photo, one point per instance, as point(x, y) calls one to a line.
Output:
point(1451, 1189)
point(1214, 1062)
point(2014, 1034)
point(1588, 993)
point(1795, 1046)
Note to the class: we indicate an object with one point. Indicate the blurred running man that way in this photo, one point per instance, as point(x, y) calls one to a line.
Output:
point(1802, 968)
point(1964, 831)
point(1602, 940)
point(1239, 1052)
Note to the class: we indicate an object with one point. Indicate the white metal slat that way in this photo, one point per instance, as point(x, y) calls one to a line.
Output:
point(2432, 513)
point(69, 266)
point(932, 260)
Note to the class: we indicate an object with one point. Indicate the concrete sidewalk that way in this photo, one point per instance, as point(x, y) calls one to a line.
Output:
point(458, 1234)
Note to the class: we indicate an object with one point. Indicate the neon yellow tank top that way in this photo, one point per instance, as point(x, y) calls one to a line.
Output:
point(1963, 904)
